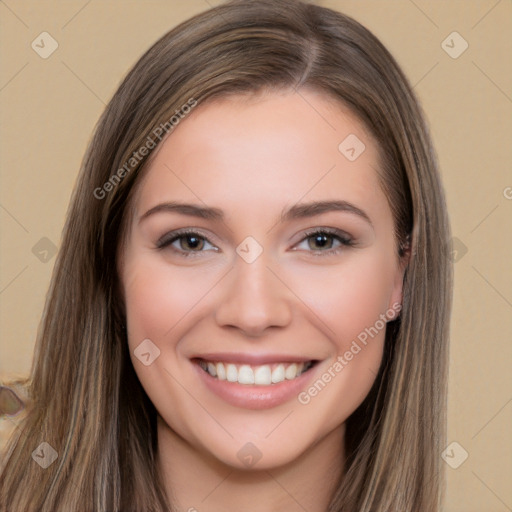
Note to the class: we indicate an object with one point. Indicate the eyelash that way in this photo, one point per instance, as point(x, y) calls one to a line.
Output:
point(342, 237)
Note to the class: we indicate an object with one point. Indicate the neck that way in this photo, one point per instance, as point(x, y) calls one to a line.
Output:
point(196, 481)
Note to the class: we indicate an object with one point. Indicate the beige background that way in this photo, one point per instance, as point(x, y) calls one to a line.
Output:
point(49, 107)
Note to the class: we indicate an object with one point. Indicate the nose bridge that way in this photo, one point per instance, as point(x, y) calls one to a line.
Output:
point(254, 278)
point(254, 298)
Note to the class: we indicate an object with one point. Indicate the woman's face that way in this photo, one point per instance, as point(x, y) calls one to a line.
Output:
point(258, 273)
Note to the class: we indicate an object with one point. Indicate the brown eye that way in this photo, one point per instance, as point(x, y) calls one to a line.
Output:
point(320, 241)
point(191, 242)
point(185, 243)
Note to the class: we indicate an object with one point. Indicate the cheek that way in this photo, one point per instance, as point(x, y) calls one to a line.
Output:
point(159, 302)
point(158, 298)
point(350, 297)
point(349, 301)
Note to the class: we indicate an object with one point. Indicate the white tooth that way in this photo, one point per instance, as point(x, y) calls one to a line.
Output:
point(245, 375)
point(300, 368)
point(262, 375)
point(212, 370)
point(221, 371)
point(291, 372)
point(278, 374)
point(231, 373)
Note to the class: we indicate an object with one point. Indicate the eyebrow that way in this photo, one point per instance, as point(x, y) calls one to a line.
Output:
point(304, 210)
point(298, 211)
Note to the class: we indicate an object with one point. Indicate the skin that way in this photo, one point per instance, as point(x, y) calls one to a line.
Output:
point(253, 157)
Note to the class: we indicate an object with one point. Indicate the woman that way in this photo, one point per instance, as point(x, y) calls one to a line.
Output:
point(250, 306)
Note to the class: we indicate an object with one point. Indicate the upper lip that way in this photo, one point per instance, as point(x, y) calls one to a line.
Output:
point(251, 359)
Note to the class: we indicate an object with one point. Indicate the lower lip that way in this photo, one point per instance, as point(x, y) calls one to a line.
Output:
point(255, 397)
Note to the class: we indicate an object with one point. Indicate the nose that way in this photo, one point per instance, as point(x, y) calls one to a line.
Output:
point(254, 299)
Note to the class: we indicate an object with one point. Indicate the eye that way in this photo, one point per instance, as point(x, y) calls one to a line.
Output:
point(319, 242)
point(185, 242)
point(325, 241)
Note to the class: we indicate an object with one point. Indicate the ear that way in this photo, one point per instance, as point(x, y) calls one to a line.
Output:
point(396, 298)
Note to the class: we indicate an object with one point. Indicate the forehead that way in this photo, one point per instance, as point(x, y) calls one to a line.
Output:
point(265, 149)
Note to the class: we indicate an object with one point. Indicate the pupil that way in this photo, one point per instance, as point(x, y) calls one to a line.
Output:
point(193, 242)
point(321, 240)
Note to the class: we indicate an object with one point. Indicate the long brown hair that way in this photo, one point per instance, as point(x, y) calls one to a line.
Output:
point(85, 399)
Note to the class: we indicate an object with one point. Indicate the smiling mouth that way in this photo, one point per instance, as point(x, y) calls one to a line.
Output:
point(255, 375)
